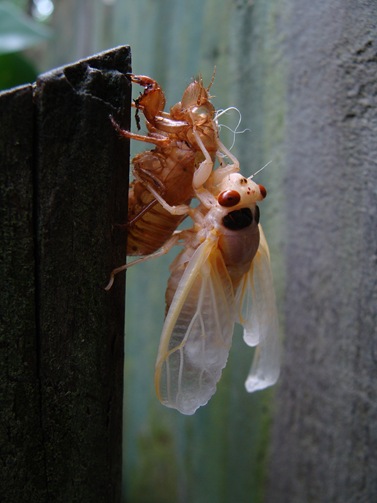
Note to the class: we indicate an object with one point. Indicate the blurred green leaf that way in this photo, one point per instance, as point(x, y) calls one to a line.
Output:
point(17, 31)
point(15, 70)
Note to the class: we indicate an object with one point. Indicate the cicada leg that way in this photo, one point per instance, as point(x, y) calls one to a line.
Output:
point(180, 209)
point(137, 217)
point(203, 172)
point(146, 176)
point(134, 136)
point(162, 251)
point(152, 101)
point(219, 174)
point(144, 182)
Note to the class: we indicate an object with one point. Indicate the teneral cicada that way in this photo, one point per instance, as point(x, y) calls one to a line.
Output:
point(222, 276)
point(186, 143)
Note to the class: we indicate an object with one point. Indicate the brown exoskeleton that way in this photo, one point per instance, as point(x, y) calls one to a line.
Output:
point(186, 144)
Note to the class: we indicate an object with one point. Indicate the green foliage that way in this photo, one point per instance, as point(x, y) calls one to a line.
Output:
point(17, 33)
point(15, 70)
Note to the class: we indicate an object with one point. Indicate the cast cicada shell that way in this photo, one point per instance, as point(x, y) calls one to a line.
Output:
point(185, 146)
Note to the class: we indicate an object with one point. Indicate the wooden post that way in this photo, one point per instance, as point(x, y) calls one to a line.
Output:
point(64, 184)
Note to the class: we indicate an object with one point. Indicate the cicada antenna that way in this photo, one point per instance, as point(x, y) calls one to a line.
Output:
point(212, 79)
point(259, 170)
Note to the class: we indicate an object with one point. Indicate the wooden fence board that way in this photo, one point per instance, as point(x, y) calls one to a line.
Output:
point(20, 436)
point(78, 184)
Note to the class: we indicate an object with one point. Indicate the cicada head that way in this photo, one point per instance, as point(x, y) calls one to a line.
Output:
point(196, 100)
point(195, 94)
point(237, 191)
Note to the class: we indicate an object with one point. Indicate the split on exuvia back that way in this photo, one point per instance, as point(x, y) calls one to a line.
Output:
point(223, 274)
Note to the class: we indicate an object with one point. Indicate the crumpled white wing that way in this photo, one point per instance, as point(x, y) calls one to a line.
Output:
point(262, 325)
point(250, 298)
point(197, 333)
point(247, 306)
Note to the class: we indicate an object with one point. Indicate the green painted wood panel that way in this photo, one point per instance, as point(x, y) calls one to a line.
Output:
point(61, 334)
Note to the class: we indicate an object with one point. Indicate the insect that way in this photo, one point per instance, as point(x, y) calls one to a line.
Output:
point(186, 144)
point(222, 276)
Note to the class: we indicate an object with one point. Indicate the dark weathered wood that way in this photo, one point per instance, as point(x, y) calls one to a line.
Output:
point(79, 191)
point(21, 438)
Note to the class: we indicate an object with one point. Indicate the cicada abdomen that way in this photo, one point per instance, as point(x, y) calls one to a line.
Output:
point(149, 224)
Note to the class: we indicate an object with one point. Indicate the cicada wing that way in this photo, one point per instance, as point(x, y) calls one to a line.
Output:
point(249, 303)
point(246, 310)
point(197, 333)
point(261, 320)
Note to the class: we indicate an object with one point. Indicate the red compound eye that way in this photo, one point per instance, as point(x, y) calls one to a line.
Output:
point(229, 198)
point(263, 191)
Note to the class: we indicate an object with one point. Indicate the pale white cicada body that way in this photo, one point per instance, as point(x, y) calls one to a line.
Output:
point(222, 276)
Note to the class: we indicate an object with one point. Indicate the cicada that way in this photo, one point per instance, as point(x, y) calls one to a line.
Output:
point(186, 144)
point(222, 276)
